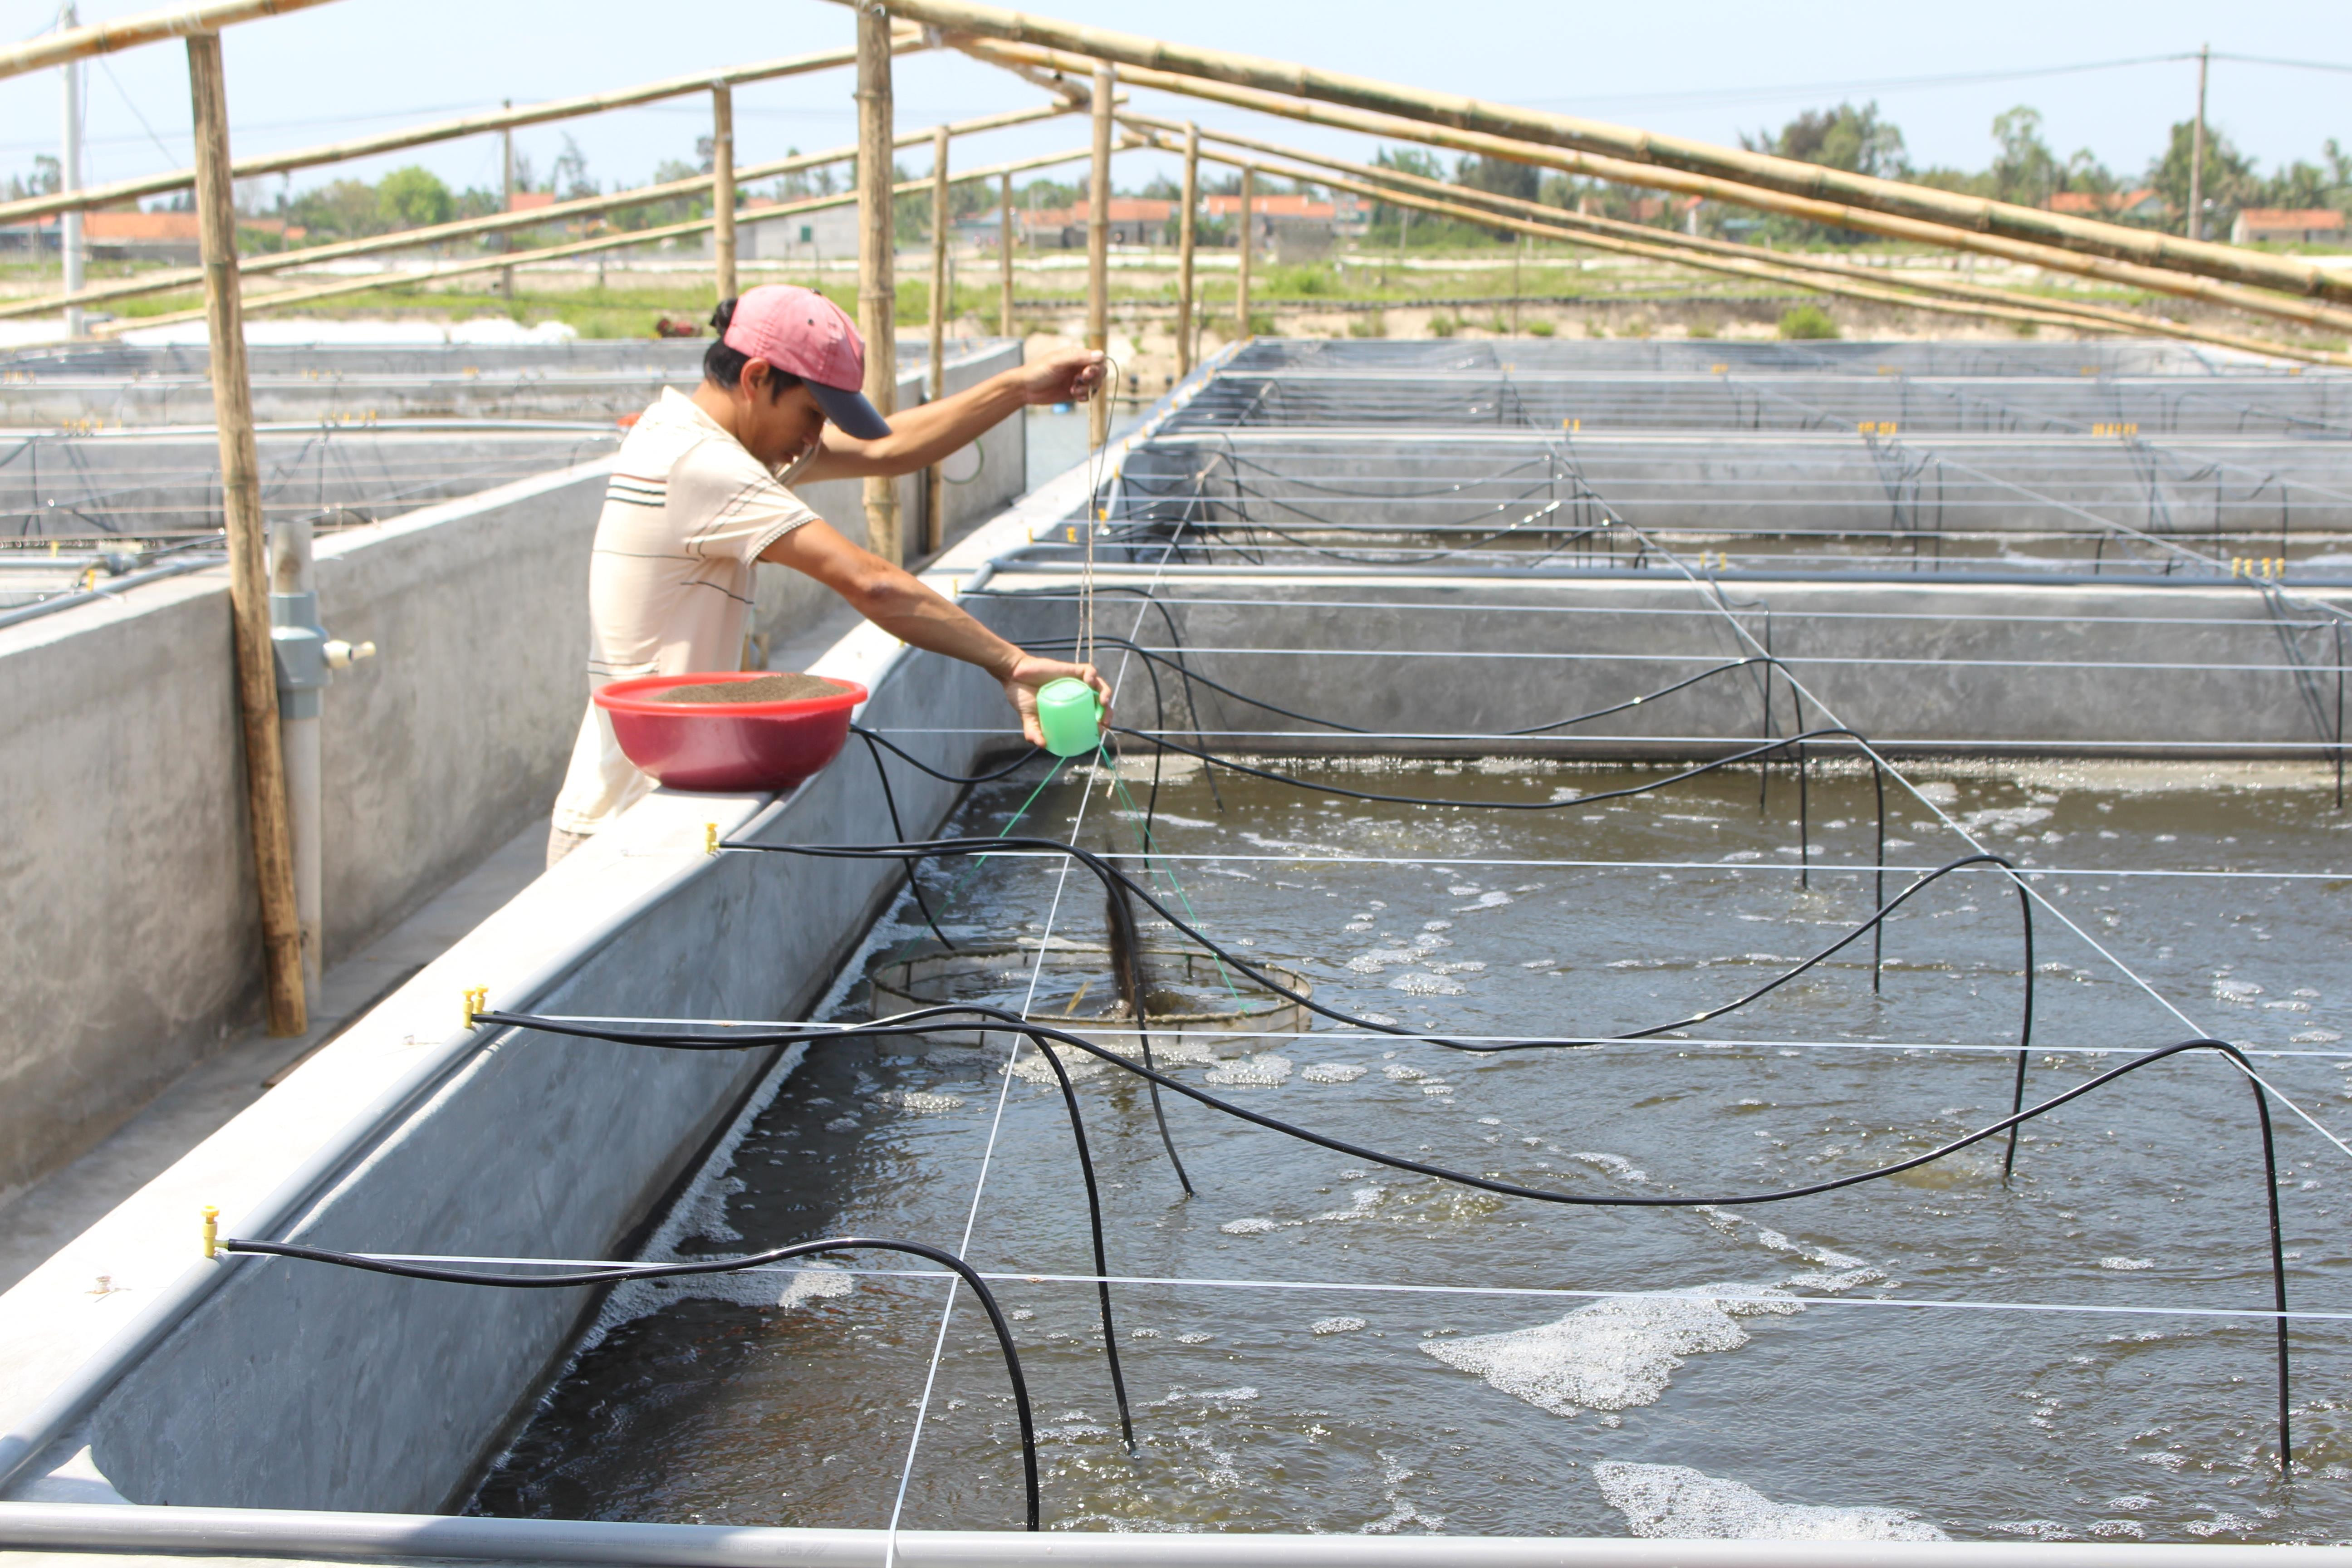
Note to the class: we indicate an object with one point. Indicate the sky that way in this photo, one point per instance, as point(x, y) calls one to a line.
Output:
point(1703, 68)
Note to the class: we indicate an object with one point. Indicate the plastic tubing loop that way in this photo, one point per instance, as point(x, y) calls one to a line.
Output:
point(930, 1020)
point(619, 1272)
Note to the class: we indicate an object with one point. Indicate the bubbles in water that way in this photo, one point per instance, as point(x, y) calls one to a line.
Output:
point(1678, 1502)
point(1336, 1325)
point(2126, 1264)
point(1331, 1072)
point(1251, 1226)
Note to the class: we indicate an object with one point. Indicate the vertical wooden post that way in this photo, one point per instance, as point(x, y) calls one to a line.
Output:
point(935, 478)
point(723, 185)
point(1185, 237)
point(1098, 255)
point(249, 566)
point(1004, 258)
point(877, 291)
point(1249, 243)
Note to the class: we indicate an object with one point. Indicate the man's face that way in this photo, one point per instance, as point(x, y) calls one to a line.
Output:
point(775, 430)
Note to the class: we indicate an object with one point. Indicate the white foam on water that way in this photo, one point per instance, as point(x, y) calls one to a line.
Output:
point(1335, 1325)
point(921, 1102)
point(1615, 1164)
point(1676, 1502)
point(1249, 1224)
point(1331, 1072)
point(1613, 1354)
point(2126, 1264)
point(1415, 983)
point(1265, 1070)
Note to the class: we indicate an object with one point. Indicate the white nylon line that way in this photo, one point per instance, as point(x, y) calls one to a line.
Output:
point(1005, 1092)
point(1294, 603)
point(1800, 659)
point(1655, 1042)
point(1820, 867)
point(2198, 749)
point(2059, 915)
point(1383, 1288)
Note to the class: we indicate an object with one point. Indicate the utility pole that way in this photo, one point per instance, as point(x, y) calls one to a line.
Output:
point(1099, 257)
point(935, 478)
point(506, 240)
point(722, 186)
point(70, 177)
point(2197, 150)
point(877, 288)
point(1249, 243)
point(248, 568)
point(1184, 240)
point(1004, 256)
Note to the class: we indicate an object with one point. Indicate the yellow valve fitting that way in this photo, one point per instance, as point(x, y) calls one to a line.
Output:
point(710, 838)
point(212, 1231)
point(478, 1001)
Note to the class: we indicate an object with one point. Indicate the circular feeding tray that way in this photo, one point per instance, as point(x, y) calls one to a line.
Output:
point(1189, 999)
point(738, 732)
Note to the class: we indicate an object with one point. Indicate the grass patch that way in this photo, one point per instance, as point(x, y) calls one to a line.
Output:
point(1802, 321)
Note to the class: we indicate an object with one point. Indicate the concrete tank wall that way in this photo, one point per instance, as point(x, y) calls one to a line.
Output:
point(133, 941)
point(541, 1146)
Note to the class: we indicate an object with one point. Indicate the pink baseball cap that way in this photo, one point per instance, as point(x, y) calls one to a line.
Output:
point(801, 331)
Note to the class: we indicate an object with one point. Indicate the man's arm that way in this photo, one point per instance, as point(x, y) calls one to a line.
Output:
point(920, 436)
point(895, 600)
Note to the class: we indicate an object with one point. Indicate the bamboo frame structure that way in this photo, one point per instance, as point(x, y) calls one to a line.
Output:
point(935, 483)
point(2156, 279)
point(505, 120)
point(130, 32)
point(723, 188)
point(1735, 267)
point(1186, 233)
point(1098, 251)
point(2089, 316)
point(622, 241)
point(1787, 175)
point(538, 217)
point(877, 293)
point(268, 818)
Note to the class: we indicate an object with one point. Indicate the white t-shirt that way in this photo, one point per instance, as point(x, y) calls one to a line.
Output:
point(670, 578)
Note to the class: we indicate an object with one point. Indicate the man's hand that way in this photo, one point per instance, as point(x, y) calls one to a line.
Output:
point(1071, 377)
point(1030, 673)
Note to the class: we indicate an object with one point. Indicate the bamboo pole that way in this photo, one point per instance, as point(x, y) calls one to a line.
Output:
point(1400, 196)
point(442, 130)
point(877, 293)
point(2097, 317)
point(1185, 239)
point(248, 563)
point(624, 240)
point(1099, 254)
point(149, 27)
point(1004, 258)
point(2156, 279)
point(1789, 176)
point(505, 223)
point(1248, 244)
point(722, 186)
point(935, 482)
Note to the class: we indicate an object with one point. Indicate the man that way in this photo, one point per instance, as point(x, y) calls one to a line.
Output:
point(699, 498)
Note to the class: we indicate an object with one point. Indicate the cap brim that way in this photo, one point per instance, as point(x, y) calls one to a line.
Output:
point(850, 413)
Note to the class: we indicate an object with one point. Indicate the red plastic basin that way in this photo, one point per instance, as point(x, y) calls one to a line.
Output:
point(736, 748)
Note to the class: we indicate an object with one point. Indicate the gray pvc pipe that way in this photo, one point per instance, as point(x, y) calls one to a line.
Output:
point(234, 1531)
point(73, 1398)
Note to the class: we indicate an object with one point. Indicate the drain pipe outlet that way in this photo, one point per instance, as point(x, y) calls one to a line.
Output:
point(305, 659)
